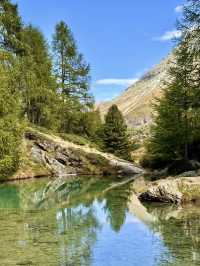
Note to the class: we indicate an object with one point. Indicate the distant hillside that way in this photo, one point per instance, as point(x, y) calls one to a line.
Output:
point(136, 101)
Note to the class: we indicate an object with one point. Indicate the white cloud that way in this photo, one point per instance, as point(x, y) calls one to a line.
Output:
point(115, 81)
point(179, 9)
point(169, 35)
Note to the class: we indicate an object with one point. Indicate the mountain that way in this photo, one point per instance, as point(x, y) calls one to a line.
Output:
point(136, 102)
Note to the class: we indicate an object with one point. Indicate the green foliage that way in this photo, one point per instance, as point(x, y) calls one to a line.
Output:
point(114, 134)
point(52, 94)
point(177, 120)
point(11, 27)
point(38, 86)
point(71, 70)
point(89, 124)
point(10, 128)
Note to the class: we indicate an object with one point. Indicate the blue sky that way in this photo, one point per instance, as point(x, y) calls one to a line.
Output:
point(121, 39)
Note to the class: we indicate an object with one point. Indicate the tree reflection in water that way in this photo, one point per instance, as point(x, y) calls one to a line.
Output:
point(64, 222)
point(179, 228)
point(79, 223)
point(116, 206)
point(69, 208)
point(78, 227)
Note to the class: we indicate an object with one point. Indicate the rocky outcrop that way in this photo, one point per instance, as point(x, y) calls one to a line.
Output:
point(163, 191)
point(178, 190)
point(63, 158)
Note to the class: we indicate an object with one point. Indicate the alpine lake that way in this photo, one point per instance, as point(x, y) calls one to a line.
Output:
point(92, 221)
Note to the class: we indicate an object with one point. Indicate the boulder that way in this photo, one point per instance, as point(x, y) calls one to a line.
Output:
point(163, 191)
point(173, 190)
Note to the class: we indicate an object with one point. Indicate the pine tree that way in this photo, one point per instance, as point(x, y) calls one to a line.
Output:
point(115, 135)
point(70, 68)
point(177, 122)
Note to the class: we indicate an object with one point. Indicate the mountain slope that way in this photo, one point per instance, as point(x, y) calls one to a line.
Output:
point(136, 102)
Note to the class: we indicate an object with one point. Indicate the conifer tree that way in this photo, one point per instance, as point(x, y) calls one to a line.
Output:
point(37, 83)
point(177, 123)
point(10, 128)
point(115, 135)
point(89, 124)
point(70, 67)
point(10, 28)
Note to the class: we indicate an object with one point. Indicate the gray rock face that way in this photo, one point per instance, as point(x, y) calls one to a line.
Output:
point(179, 190)
point(125, 168)
point(163, 191)
point(63, 158)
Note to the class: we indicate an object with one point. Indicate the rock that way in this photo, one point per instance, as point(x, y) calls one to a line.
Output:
point(126, 168)
point(63, 157)
point(189, 174)
point(178, 190)
point(37, 155)
point(163, 191)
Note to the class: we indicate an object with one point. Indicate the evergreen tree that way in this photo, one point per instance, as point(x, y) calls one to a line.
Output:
point(69, 114)
point(30, 88)
point(89, 124)
point(177, 122)
point(10, 27)
point(72, 75)
point(37, 83)
point(115, 135)
point(70, 68)
point(10, 128)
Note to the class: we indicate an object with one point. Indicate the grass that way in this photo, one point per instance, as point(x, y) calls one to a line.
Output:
point(191, 192)
point(76, 139)
point(79, 140)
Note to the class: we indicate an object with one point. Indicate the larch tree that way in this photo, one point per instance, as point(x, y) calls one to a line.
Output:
point(10, 28)
point(71, 70)
point(37, 83)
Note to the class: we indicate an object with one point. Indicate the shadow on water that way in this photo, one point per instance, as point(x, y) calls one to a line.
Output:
point(92, 221)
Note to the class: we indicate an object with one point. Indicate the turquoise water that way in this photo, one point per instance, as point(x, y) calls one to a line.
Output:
point(92, 221)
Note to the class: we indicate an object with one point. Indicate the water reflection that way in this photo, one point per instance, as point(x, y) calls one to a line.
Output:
point(180, 231)
point(54, 222)
point(90, 221)
point(79, 227)
point(116, 206)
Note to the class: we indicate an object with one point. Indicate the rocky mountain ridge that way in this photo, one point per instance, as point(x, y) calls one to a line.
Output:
point(136, 102)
